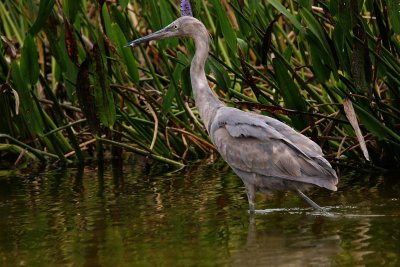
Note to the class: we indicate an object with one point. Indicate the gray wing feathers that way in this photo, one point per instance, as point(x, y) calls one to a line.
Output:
point(258, 144)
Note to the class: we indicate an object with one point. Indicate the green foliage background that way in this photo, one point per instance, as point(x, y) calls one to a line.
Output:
point(69, 88)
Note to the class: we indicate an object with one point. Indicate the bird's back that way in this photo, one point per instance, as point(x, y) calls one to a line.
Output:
point(269, 154)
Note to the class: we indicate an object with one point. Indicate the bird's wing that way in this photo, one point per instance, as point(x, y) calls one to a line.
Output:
point(258, 144)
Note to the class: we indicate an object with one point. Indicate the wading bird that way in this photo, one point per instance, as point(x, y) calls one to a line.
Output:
point(265, 153)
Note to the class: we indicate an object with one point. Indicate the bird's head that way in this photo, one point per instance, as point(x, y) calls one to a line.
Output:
point(183, 26)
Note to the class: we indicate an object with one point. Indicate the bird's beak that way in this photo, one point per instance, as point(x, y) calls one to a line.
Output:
point(152, 36)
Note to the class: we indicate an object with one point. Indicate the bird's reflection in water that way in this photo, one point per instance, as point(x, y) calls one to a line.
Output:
point(267, 245)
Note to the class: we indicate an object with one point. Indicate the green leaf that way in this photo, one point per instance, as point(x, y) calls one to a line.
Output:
point(342, 48)
point(68, 68)
point(166, 13)
point(168, 98)
point(224, 24)
point(29, 109)
point(126, 53)
point(287, 14)
point(107, 21)
point(394, 14)
point(29, 65)
point(186, 81)
point(45, 9)
point(102, 92)
point(318, 59)
point(221, 76)
point(118, 18)
point(321, 52)
point(72, 8)
point(155, 18)
point(307, 4)
point(123, 3)
point(375, 126)
point(370, 122)
point(172, 90)
point(290, 92)
point(342, 10)
point(315, 27)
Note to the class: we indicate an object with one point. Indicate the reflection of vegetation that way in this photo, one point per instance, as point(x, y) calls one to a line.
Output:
point(96, 217)
point(69, 87)
point(89, 218)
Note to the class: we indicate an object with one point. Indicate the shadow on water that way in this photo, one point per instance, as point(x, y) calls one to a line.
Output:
point(133, 215)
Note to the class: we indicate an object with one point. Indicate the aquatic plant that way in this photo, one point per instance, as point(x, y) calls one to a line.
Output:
point(71, 91)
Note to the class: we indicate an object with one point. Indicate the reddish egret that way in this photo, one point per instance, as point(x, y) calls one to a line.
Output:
point(265, 153)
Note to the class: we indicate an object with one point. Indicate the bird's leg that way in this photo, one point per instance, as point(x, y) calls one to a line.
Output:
point(251, 196)
point(309, 201)
point(252, 207)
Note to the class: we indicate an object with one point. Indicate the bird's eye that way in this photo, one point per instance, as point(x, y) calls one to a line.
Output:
point(175, 27)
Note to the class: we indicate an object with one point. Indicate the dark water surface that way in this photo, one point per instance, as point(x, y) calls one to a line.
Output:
point(193, 218)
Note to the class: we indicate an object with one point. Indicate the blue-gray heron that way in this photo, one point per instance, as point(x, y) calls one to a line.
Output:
point(265, 153)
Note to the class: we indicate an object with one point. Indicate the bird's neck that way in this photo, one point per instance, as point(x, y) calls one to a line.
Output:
point(206, 101)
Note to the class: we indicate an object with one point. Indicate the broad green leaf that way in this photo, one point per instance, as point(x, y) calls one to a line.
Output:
point(155, 18)
point(394, 14)
point(166, 13)
point(196, 8)
point(172, 90)
point(290, 92)
point(254, 5)
point(320, 65)
point(225, 26)
point(120, 19)
point(102, 92)
point(45, 8)
point(244, 46)
point(29, 109)
point(107, 21)
point(286, 13)
point(342, 48)
point(320, 48)
point(123, 3)
point(343, 13)
point(315, 29)
point(126, 53)
point(29, 65)
point(306, 4)
point(58, 141)
point(72, 8)
point(177, 79)
point(186, 81)
point(168, 98)
point(375, 126)
point(370, 122)
point(69, 69)
point(221, 76)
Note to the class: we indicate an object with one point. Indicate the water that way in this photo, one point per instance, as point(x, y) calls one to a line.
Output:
point(138, 217)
